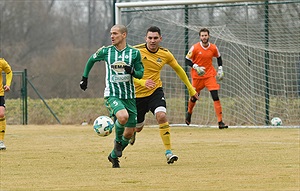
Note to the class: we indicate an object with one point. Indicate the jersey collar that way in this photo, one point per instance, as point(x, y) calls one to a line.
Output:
point(203, 46)
point(150, 50)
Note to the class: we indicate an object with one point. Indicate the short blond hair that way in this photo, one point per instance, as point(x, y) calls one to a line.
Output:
point(122, 28)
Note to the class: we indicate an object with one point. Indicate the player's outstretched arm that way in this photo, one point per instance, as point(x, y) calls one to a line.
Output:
point(184, 78)
point(88, 66)
point(138, 67)
point(9, 74)
point(9, 77)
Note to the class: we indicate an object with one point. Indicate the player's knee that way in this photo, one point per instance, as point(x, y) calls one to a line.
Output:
point(215, 98)
point(214, 95)
point(2, 112)
point(123, 119)
point(161, 117)
point(160, 114)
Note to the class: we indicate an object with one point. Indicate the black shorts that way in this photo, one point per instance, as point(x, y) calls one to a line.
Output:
point(2, 101)
point(150, 103)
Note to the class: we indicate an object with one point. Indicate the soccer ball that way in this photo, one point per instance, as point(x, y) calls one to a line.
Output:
point(276, 121)
point(103, 126)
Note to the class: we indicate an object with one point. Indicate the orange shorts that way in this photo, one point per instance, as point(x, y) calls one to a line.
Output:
point(210, 83)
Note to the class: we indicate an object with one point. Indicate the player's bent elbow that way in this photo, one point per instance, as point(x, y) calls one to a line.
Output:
point(138, 74)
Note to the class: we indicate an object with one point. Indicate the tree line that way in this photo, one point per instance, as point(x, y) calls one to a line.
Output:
point(53, 39)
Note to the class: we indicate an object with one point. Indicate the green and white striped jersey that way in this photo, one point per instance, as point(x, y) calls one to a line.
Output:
point(118, 83)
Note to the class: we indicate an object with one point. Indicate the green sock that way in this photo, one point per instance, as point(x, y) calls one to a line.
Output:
point(119, 129)
point(113, 155)
point(125, 142)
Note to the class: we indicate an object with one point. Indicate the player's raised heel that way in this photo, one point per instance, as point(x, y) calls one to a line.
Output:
point(114, 161)
point(188, 118)
point(2, 146)
point(118, 148)
point(171, 158)
point(222, 125)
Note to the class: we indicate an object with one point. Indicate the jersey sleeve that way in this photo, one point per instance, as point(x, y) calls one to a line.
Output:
point(182, 75)
point(138, 66)
point(140, 82)
point(189, 55)
point(9, 73)
point(216, 52)
point(97, 56)
point(9, 77)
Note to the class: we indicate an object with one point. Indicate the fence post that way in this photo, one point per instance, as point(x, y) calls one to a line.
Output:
point(24, 98)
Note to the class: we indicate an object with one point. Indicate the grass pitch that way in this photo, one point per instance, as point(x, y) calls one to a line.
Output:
point(74, 158)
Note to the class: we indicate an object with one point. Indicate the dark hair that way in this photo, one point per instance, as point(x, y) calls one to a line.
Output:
point(153, 29)
point(204, 30)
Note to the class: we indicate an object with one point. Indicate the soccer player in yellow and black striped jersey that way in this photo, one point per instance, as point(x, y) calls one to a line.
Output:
point(149, 90)
point(4, 67)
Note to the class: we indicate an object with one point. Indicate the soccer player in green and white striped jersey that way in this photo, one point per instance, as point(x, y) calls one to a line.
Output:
point(123, 62)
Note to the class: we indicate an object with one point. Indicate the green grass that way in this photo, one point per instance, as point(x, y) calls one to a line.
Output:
point(75, 111)
point(68, 111)
point(69, 157)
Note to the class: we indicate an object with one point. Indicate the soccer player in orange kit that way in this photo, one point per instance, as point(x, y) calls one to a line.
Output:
point(204, 74)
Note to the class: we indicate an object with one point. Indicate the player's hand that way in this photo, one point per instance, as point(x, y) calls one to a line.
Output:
point(195, 97)
point(6, 88)
point(129, 70)
point(150, 84)
point(83, 83)
point(220, 73)
point(200, 69)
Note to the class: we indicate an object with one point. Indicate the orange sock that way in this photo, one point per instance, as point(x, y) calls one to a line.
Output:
point(218, 110)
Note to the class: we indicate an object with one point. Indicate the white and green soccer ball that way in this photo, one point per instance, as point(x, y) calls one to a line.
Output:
point(276, 121)
point(103, 126)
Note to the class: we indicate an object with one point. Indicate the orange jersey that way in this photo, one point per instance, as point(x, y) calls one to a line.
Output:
point(203, 57)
